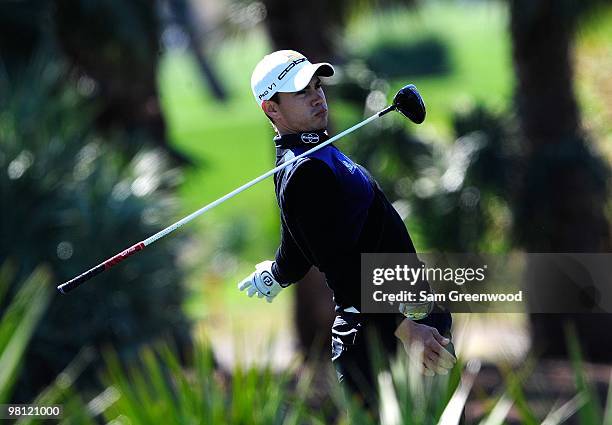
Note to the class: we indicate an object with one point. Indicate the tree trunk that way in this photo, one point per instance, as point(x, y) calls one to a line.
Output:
point(314, 315)
point(308, 27)
point(118, 50)
point(562, 195)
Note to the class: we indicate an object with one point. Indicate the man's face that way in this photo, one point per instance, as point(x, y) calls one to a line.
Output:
point(305, 110)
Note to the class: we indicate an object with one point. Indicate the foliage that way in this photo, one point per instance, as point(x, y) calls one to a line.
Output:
point(590, 411)
point(456, 196)
point(410, 59)
point(157, 386)
point(71, 201)
point(18, 322)
point(586, 404)
point(405, 395)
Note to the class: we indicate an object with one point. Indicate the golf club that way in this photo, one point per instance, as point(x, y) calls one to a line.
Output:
point(407, 101)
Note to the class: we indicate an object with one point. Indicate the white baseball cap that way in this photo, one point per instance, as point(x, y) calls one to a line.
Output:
point(284, 71)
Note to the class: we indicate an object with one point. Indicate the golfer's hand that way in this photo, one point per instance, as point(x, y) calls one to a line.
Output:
point(435, 358)
point(261, 282)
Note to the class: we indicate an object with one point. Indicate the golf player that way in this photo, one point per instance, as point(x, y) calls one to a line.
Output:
point(331, 211)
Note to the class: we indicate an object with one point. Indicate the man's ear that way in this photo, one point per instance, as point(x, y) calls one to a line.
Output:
point(270, 108)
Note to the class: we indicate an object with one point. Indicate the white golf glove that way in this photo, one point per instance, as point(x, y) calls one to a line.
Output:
point(261, 282)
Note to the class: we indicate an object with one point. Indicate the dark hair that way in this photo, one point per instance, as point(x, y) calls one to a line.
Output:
point(275, 98)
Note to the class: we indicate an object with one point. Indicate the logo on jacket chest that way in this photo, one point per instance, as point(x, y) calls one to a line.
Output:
point(310, 138)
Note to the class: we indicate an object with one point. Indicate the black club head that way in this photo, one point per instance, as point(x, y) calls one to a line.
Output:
point(409, 103)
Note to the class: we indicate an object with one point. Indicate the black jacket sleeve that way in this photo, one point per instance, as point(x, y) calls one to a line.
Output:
point(290, 265)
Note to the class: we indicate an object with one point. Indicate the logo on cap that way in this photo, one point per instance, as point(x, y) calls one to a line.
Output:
point(290, 67)
point(310, 138)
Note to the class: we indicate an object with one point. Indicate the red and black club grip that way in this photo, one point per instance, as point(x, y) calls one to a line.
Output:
point(77, 281)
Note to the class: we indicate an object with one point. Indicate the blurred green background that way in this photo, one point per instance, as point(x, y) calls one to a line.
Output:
point(118, 118)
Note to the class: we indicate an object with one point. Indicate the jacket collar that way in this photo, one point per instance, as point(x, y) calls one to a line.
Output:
point(306, 139)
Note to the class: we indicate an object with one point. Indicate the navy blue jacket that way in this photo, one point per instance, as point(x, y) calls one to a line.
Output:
point(332, 210)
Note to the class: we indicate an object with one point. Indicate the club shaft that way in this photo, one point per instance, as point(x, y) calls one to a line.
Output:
point(253, 182)
point(82, 278)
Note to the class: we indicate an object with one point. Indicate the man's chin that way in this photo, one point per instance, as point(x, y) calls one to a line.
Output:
point(321, 123)
point(316, 125)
